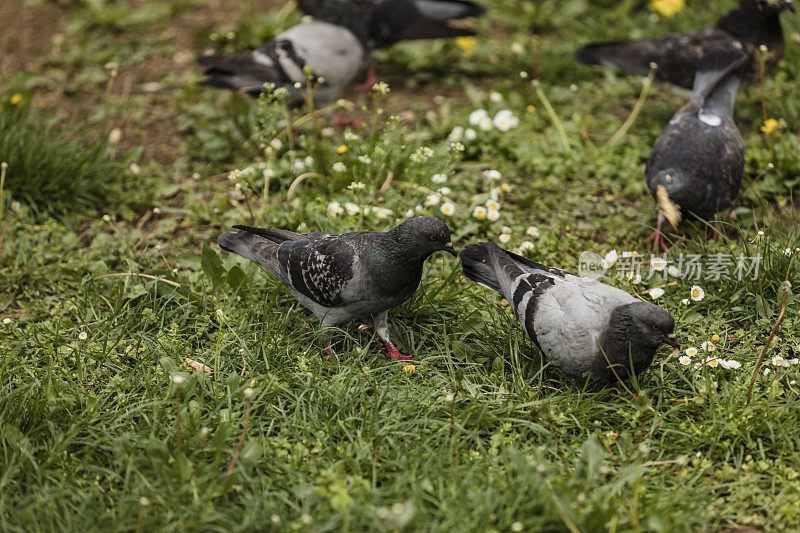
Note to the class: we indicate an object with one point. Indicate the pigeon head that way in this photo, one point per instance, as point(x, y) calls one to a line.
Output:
point(775, 7)
point(425, 235)
point(652, 325)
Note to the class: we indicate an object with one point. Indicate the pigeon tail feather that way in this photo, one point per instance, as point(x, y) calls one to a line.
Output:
point(628, 56)
point(475, 265)
point(445, 10)
point(277, 236)
point(717, 80)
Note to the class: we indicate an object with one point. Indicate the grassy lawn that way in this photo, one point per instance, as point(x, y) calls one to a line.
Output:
point(151, 382)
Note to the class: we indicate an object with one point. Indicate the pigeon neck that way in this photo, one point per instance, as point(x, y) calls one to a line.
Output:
point(396, 262)
point(624, 346)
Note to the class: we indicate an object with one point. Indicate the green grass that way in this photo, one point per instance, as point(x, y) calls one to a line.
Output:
point(96, 433)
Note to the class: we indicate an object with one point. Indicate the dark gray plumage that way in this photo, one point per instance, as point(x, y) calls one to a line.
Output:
point(697, 162)
point(340, 277)
point(334, 48)
point(752, 24)
point(585, 328)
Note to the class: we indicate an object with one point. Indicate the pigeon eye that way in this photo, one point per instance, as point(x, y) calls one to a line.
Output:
point(655, 327)
point(433, 237)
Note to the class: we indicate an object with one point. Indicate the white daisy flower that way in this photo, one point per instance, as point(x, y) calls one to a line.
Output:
point(505, 229)
point(697, 293)
point(708, 346)
point(339, 167)
point(532, 231)
point(658, 263)
point(448, 208)
point(504, 238)
point(724, 363)
point(788, 251)
point(684, 360)
point(432, 199)
point(470, 134)
point(492, 174)
point(495, 97)
point(610, 258)
point(456, 135)
point(767, 371)
point(526, 245)
point(685, 301)
point(352, 209)
point(492, 205)
point(6, 321)
point(713, 362)
point(479, 212)
point(673, 271)
point(656, 293)
point(276, 144)
point(445, 190)
point(335, 209)
point(492, 215)
point(691, 351)
point(477, 116)
point(637, 279)
point(439, 178)
point(698, 365)
point(627, 253)
point(505, 120)
point(410, 213)
point(83, 335)
point(486, 124)
point(382, 212)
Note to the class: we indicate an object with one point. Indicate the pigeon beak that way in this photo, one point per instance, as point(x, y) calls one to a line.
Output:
point(448, 247)
point(672, 340)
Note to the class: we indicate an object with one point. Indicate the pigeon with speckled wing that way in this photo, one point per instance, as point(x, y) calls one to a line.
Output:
point(697, 162)
point(334, 49)
point(747, 27)
point(585, 328)
point(340, 277)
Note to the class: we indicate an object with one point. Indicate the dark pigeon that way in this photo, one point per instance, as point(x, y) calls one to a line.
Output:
point(585, 328)
point(697, 162)
point(390, 21)
point(340, 277)
point(334, 49)
point(752, 24)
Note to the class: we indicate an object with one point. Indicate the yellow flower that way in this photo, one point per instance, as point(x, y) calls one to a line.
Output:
point(667, 8)
point(467, 44)
point(769, 125)
point(342, 148)
point(15, 98)
point(409, 369)
point(530, 108)
point(715, 337)
point(505, 187)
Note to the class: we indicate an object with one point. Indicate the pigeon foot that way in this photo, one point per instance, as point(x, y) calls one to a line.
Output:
point(394, 353)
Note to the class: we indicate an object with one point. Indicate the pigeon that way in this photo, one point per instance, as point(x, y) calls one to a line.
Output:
point(588, 330)
point(339, 277)
point(747, 27)
point(697, 162)
point(334, 49)
point(387, 22)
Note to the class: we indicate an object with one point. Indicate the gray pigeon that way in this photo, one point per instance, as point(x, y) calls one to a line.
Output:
point(585, 328)
point(697, 162)
point(334, 49)
point(751, 24)
point(340, 277)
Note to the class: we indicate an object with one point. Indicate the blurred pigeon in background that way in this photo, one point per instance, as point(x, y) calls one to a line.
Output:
point(752, 24)
point(387, 22)
point(340, 277)
point(334, 49)
point(585, 328)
